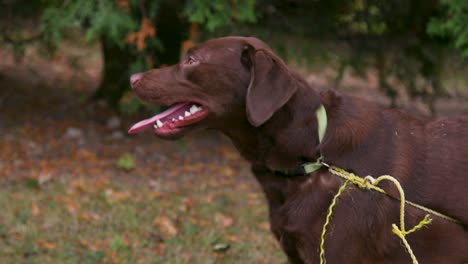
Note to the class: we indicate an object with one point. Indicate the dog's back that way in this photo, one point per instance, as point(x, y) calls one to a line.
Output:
point(446, 166)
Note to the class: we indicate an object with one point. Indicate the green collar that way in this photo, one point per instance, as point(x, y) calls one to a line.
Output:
point(309, 167)
point(322, 122)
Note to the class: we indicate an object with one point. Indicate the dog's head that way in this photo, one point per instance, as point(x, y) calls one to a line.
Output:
point(216, 82)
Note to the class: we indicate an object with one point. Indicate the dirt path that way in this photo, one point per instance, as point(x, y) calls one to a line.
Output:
point(49, 130)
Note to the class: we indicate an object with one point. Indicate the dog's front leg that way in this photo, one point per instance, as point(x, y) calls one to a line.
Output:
point(275, 190)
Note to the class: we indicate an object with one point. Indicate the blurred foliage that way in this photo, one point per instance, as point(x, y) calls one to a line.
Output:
point(126, 30)
point(404, 41)
point(100, 19)
point(389, 37)
point(452, 23)
point(217, 13)
point(134, 35)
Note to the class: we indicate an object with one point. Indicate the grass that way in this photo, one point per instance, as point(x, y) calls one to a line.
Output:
point(98, 221)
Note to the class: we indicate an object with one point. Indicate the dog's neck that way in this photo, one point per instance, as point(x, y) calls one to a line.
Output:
point(285, 140)
point(290, 137)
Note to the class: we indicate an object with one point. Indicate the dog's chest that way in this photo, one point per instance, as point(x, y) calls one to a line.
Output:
point(297, 213)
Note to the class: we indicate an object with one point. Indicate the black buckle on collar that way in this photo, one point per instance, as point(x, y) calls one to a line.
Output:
point(299, 171)
point(304, 169)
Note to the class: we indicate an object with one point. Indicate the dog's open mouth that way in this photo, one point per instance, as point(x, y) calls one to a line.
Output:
point(173, 120)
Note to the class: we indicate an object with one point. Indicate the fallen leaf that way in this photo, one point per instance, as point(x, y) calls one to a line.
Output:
point(166, 226)
point(227, 171)
point(194, 167)
point(155, 195)
point(229, 153)
point(114, 257)
point(264, 226)
point(71, 205)
point(125, 241)
point(79, 185)
point(116, 196)
point(44, 177)
point(159, 249)
point(85, 155)
point(95, 246)
point(201, 222)
point(233, 239)
point(35, 211)
point(253, 199)
point(186, 205)
point(223, 220)
point(89, 217)
point(46, 245)
point(101, 183)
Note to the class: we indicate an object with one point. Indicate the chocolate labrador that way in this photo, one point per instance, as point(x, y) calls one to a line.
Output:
point(238, 86)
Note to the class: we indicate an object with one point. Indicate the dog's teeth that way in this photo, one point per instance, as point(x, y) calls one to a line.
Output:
point(181, 118)
point(173, 119)
point(159, 123)
point(187, 113)
point(155, 126)
point(193, 109)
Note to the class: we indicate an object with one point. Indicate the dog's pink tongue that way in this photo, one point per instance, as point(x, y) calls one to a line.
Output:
point(148, 123)
point(145, 124)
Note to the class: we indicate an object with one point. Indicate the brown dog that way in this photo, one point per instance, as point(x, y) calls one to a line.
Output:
point(238, 86)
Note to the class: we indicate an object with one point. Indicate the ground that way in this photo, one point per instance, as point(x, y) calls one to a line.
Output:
point(75, 188)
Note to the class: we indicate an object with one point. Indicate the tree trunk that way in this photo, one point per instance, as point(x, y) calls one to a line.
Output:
point(172, 31)
point(115, 75)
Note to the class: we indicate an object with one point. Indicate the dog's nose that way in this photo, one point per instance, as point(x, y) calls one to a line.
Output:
point(135, 78)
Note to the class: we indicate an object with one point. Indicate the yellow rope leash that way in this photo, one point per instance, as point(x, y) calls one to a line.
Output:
point(327, 221)
point(370, 183)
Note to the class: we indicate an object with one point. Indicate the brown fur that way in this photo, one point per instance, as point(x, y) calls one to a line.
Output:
point(269, 114)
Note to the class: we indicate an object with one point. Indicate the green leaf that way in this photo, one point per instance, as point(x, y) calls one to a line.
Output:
point(452, 23)
point(32, 183)
point(126, 162)
point(216, 14)
point(116, 244)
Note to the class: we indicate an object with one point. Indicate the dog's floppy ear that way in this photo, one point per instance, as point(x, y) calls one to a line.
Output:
point(271, 84)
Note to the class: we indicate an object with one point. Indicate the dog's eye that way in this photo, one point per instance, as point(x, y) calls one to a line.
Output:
point(190, 61)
